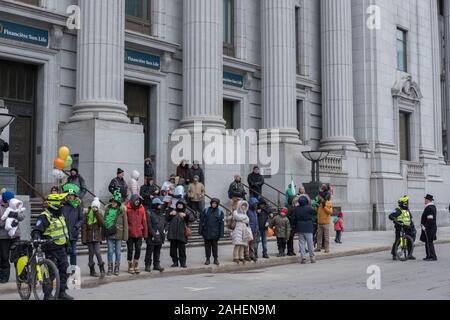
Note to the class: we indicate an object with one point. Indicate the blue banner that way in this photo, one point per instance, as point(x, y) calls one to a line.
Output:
point(142, 59)
point(19, 32)
point(233, 79)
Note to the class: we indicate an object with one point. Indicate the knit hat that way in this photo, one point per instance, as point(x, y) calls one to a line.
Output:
point(340, 215)
point(284, 211)
point(8, 195)
point(157, 201)
point(74, 169)
point(119, 171)
point(96, 203)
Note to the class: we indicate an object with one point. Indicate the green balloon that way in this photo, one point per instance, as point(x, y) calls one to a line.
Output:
point(68, 162)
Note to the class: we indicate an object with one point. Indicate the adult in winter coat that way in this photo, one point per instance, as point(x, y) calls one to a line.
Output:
point(137, 231)
point(293, 202)
point(236, 192)
point(255, 182)
point(429, 228)
point(157, 227)
point(148, 168)
point(118, 183)
point(282, 229)
point(401, 216)
point(324, 213)
point(116, 231)
point(211, 228)
point(179, 192)
point(195, 170)
point(240, 233)
point(249, 252)
point(183, 170)
point(148, 192)
point(196, 194)
point(5, 240)
point(264, 216)
point(76, 178)
point(178, 220)
point(303, 217)
point(92, 236)
point(73, 214)
point(133, 187)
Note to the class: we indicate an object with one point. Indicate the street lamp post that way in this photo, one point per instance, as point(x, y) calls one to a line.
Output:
point(312, 188)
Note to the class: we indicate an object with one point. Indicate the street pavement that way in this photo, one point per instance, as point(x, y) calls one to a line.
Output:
point(354, 243)
point(340, 278)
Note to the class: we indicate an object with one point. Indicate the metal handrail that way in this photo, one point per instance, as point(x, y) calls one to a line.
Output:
point(32, 188)
point(220, 205)
point(278, 191)
point(254, 191)
point(87, 190)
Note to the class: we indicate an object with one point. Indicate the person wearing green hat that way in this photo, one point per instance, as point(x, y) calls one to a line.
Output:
point(73, 214)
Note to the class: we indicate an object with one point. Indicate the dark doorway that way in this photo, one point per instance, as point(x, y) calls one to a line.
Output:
point(137, 99)
point(18, 90)
point(229, 114)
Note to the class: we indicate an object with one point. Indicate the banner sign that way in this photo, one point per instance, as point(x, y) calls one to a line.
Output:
point(19, 32)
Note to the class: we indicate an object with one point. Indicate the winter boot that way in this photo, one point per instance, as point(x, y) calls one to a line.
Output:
point(64, 296)
point(158, 268)
point(175, 264)
point(92, 272)
point(131, 267)
point(110, 269)
point(208, 262)
point(136, 267)
point(216, 262)
point(102, 269)
point(303, 261)
point(116, 269)
point(313, 260)
point(148, 268)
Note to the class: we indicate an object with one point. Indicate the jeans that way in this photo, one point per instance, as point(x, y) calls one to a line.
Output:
point(338, 236)
point(211, 245)
point(134, 244)
point(262, 236)
point(114, 247)
point(94, 249)
point(323, 234)
point(73, 252)
point(303, 240)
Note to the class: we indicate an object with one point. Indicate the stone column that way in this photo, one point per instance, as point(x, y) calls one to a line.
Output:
point(202, 63)
point(279, 68)
point(337, 77)
point(447, 71)
point(100, 62)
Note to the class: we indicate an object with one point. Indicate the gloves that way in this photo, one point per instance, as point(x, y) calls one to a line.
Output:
point(36, 235)
point(13, 215)
point(68, 249)
point(423, 228)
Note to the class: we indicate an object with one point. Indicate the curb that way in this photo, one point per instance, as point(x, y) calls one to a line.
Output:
point(229, 268)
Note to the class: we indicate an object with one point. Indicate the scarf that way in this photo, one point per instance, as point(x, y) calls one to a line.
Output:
point(111, 217)
point(75, 203)
point(91, 218)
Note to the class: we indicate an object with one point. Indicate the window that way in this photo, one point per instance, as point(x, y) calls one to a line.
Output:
point(33, 2)
point(228, 28)
point(441, 7)
point(402, 53)
point(297, 39)
point(300, 119)
point(405, 146)
point(138, 13)
point(228, 114)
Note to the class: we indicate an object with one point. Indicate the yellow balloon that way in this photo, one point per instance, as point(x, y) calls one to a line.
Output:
point(63, 153)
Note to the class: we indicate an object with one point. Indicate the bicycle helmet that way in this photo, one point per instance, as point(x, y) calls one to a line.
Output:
point(403, 201)
point(55, 201)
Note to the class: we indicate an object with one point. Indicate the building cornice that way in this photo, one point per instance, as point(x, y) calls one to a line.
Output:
point(242, 65)
point(146, 41)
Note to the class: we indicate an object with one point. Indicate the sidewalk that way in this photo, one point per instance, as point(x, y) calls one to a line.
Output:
point(354, 243)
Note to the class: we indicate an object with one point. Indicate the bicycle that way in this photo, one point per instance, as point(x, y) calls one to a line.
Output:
point(401, 246)
point(35, 273)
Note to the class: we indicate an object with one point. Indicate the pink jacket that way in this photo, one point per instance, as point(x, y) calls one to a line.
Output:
point(339, 225)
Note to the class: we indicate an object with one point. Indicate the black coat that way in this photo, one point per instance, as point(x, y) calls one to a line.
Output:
point(147, 192)
point(430, 224)
point(263, 219)
point(196, 172)
point(303, 216)
point(157, 225)
point(212, 224)
point(148, 170)
point(255, 182)
point(119, 184)
point(177, 226)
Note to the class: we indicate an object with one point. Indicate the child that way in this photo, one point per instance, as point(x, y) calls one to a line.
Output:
point(239, 234)
point(339, 227)
point(11, 224)
point(282, 228)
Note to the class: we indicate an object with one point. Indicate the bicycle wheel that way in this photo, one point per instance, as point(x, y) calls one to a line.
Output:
point(401, 248)
point(46, 281)
point(23, 283)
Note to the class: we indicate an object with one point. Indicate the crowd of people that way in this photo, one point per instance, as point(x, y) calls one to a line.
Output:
point(148, 213)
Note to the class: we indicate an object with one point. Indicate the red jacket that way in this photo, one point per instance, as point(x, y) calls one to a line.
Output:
point(137, 222)
point(339, 225)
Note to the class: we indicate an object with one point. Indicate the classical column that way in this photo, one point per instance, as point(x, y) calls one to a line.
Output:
point(337, 77)
point(202, 63)
point(100, 62)
point(279, 68)
point(447, 71)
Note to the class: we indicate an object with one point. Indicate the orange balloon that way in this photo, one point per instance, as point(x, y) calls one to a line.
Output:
point(59, 164)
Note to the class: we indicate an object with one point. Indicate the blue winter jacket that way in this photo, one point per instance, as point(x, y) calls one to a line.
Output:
point(253, 215)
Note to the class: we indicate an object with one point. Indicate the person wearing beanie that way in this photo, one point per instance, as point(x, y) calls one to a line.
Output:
point(149, 172)
point(212, 228)
point(236, 191)
point(92, 236)
point(76, 178)
point(196, 194)
point(148, 192)
point(195, 170)
point(137, 232)
point(255, 182)
point(14, 215)
point(116, 231)
point(282, 229)
point(303, 217)
point(339, 227)
point(157, 227)
point(118, 183)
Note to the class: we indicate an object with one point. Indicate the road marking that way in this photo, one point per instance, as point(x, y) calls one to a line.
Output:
point(197, 289)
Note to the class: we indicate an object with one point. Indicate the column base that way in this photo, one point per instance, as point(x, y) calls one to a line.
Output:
point(205, 122)
point(104, 146)
point(338, 144)
point(115, 112)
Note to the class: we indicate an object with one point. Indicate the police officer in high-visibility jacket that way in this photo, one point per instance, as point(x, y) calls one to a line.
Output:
point(52, 225)
point(402, 216)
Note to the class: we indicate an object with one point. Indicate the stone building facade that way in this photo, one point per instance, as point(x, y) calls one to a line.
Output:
point(365, 79)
